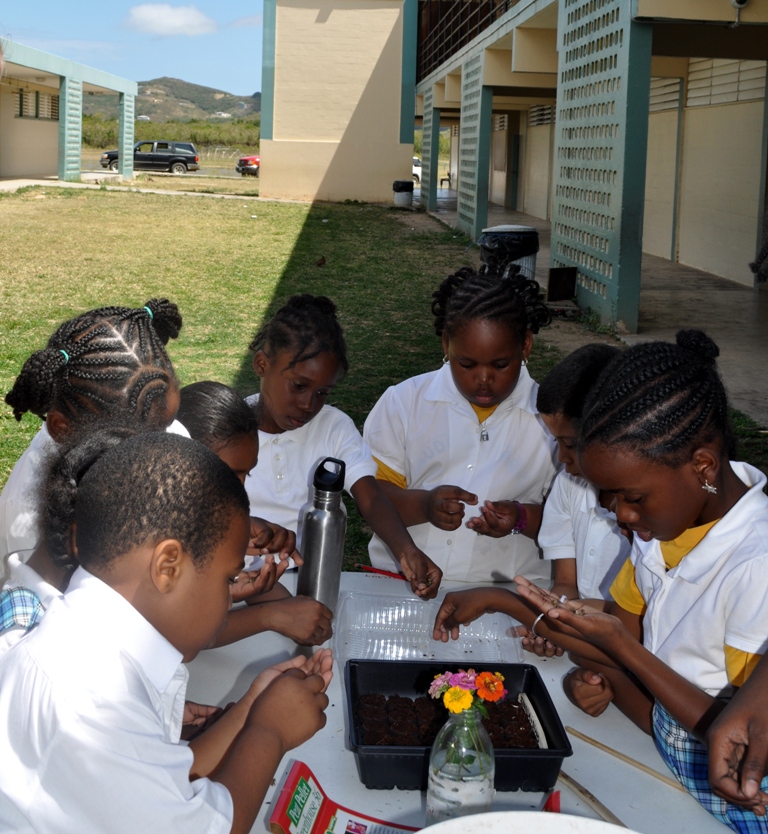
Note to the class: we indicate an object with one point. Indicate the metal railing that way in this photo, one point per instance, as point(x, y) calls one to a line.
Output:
point(445, 26)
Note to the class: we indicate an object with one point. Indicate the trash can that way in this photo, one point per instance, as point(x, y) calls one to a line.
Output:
point(503, 245)
point(403, 193)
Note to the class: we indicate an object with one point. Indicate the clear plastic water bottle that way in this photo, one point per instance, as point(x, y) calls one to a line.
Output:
point(461, 769)
point(322, 538)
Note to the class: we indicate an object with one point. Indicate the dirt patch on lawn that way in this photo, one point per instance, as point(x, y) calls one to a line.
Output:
point(567, 336)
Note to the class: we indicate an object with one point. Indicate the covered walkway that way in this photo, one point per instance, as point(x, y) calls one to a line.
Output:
point(673, 297)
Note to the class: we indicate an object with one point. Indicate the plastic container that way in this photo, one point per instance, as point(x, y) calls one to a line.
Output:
point(403, 193)
point(386, 767)
point(502, 245)
point(377, 627)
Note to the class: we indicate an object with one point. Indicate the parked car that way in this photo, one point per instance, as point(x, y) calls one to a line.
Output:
point(416, 170)
point(248, 166)
point(176, 157)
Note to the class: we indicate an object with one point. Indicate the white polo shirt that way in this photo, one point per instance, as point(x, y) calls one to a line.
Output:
point(20, 575)
point(280, 485)
point(575, 526)
point(95, 746)
point(425, 430)
point(19, 500)
point(717, 595)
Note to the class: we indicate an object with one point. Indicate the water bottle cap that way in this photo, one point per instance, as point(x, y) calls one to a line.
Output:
point(330, 479)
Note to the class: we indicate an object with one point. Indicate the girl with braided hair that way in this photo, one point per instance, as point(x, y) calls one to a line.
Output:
point(105, 366)
point(689, 621)
point(470, 434)
point(299, 356)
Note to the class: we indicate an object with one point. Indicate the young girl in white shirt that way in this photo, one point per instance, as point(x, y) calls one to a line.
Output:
point(299, 356)
point(579, 533)
point(469, 434)
point(690, 620)
point(217, 416)
point(102, 367)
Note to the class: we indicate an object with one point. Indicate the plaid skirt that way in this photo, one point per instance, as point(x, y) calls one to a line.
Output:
point(687, 758)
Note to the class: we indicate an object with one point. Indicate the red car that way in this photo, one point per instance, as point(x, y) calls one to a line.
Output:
point(248, 165)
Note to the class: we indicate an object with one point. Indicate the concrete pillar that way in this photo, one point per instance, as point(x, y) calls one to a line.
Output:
point(70, 127)
point(474, 148)
point(125, 135)
point(430, 150)
point(601, 137)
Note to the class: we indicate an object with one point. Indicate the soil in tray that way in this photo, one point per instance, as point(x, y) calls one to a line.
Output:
point(397, 720)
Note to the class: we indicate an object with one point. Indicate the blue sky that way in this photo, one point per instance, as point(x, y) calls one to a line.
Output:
point(214, 43)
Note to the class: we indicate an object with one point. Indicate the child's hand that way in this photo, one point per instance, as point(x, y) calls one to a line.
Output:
point(305, 620)
point(320, 663)
point(539, 646)
point(292, 707)
point(197, 717)
point(423, 574)
point(253, 583)
point(267, 537)
point(589, 691)
point(445, 506)
point(496, 519)
point(461, 608)
point(596, 627)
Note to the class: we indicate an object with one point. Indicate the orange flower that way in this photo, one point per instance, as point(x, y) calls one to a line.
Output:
point(490, 686)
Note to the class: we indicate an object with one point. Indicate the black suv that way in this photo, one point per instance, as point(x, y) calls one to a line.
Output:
point(176, 157)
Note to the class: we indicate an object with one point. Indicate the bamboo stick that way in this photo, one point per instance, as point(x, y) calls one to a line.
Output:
point(589, 798)
point(628, 759)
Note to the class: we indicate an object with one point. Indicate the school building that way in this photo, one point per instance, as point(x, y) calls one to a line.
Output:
point(630, 125)
point(41, 113)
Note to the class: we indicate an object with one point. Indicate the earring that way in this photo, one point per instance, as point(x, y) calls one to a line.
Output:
point(525, 362)
point(707, 487)
point(445, 359)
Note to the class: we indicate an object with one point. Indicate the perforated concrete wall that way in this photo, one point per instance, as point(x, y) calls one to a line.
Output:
point(604, 62)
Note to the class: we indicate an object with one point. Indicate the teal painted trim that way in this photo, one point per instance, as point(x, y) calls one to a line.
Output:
point(678, 165)
point(635, 155)
point(268, 69)
point(430, 152)
point(408, 82)
point(70, 128)
point(762, 208)
point(483, 161)
point(16, 53)
point(127, 121)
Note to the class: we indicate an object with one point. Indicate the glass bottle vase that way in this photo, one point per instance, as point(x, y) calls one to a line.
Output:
point(461, 769)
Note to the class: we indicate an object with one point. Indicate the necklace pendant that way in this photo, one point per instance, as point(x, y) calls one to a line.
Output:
point(484, 434)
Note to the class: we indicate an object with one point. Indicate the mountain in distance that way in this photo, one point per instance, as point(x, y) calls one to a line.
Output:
point(163, 99)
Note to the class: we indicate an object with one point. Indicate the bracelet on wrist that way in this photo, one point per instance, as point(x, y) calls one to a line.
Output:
point(522, 519)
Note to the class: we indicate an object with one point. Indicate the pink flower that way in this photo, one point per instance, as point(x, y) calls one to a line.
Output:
point(439, 684)
point(462, 679)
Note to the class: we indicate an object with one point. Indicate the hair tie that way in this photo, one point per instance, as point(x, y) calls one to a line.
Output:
point(151, 314)
point(65, 355)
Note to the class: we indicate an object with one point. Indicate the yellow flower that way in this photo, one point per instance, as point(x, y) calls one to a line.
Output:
point(457, 699)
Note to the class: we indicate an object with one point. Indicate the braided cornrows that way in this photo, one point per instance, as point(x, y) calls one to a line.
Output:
point(307, 326)
point(105, 360)
point(661, 401)
point(511, 299)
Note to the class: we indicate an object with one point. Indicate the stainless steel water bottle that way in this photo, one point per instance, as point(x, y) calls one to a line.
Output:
point(322, 537)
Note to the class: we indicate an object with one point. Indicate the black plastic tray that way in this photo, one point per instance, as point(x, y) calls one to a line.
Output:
point(387, 767)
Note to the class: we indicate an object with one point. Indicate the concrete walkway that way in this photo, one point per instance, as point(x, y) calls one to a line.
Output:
point(675, 297)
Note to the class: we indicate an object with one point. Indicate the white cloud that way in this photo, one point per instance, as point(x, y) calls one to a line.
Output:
point(249, 20)
point(162, 19)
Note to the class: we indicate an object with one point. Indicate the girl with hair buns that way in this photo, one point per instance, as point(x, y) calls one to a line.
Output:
point(470, 434)
point(299, 356)
point(105, 367)
point(689, 621)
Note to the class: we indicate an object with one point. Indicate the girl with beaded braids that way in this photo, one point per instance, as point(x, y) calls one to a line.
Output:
point(103, 366)
point(689, 620)
point(470, 434)
point(299, 356)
